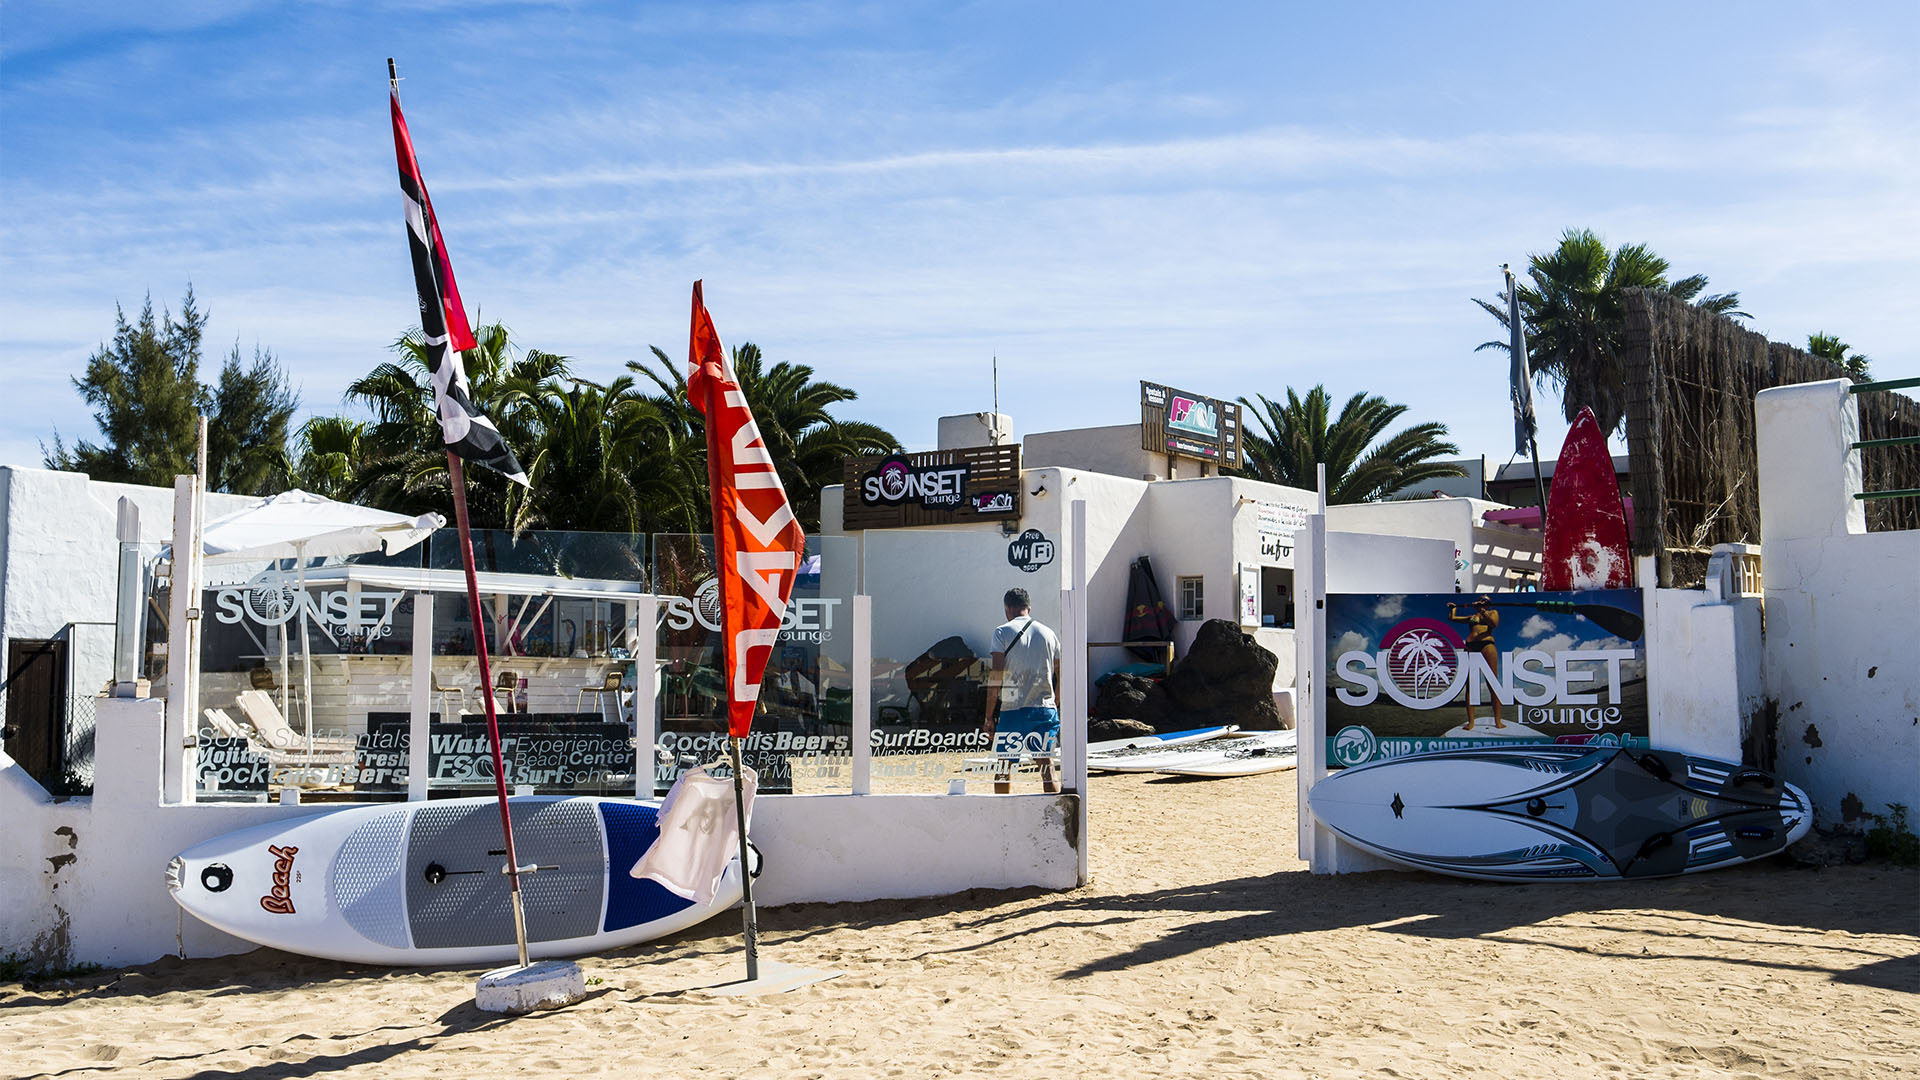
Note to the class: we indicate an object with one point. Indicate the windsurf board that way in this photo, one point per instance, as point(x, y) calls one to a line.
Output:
point(1551, 812)
point(422, 883)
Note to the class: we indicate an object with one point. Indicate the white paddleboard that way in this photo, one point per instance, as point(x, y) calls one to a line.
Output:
point(421, 883)
point(1212, 751)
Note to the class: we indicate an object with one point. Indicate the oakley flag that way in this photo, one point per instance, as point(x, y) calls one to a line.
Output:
point(757, 543)
point(443, 322)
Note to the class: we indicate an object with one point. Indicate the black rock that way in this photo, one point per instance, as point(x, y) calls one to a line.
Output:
point(1103, 730)
point(1225, 678)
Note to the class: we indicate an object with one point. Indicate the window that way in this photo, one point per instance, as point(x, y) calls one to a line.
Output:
point(1193, 599)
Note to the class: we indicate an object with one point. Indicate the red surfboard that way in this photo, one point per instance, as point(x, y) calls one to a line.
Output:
point(1586, 536)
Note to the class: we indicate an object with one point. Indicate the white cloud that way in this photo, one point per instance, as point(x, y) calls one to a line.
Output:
point(1390, 606)
point(1535, 626)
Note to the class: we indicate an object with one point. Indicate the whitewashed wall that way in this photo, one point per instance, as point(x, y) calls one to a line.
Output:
point(84, 880)
point(59, 559)
point(1843, 611)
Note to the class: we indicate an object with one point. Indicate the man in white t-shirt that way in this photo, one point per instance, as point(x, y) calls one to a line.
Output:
point(1023, 716)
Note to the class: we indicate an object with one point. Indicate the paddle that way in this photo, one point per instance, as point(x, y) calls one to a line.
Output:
point(1619, 622)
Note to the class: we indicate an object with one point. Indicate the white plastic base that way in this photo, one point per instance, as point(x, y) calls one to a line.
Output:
point(547, 984)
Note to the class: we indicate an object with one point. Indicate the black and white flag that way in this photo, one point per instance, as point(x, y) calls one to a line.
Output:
point(1518, 374)
point(443, 320)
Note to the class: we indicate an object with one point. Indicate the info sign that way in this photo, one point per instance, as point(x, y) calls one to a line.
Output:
point(1189, 425)
point(1276, 523)
point(1411, 673)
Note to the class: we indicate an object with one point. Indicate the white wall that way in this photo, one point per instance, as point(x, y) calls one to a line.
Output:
point(1477, 568)
point(1704, 682)
point(1842, 658)
point(59, 560)
point(1113, 450)
point(84, 880)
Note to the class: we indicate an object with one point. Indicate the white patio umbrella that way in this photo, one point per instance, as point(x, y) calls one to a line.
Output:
point(300, 526)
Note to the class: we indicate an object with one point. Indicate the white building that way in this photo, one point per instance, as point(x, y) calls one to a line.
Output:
point(60, 536)
point(1221, 547)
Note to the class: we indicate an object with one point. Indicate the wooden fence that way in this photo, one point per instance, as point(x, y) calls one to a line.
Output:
point(1691, 380)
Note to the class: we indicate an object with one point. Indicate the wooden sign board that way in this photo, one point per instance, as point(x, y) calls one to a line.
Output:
point(1181, 424)
point(938, 487)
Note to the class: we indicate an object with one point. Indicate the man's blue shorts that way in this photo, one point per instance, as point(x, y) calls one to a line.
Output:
point(1026, 731)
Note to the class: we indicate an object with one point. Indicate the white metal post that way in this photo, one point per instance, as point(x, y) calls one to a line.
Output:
point(419, 705)
point(1310, 644)
point(644, 637)
point(178, 759)
point(860, 671)
point(1073, 732)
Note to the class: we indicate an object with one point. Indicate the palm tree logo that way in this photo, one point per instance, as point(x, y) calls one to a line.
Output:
point(1422, 657)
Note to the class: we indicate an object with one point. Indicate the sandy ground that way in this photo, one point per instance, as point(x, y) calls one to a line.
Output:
point(1203, 948)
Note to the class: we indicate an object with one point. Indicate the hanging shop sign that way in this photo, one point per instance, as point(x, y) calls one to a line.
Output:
point(1411, 673)
point(1276, 523)
point(939, 487)
point(1188, 425)
point(1030, 551)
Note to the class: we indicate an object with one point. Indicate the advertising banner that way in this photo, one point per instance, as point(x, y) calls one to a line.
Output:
point(1411, 673)
point(1189, 425)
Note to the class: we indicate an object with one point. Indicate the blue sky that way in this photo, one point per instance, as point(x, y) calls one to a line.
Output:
point(1233, 198)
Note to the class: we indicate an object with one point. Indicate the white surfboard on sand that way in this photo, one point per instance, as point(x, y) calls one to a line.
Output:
point(1212, 751)
point(1160, 742)
point(421, 883)
point(1277, 752)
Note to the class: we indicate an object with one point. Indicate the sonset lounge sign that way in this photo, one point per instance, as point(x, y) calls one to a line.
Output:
point(938, 487)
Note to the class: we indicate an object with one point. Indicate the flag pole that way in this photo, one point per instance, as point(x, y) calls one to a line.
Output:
point(1524, 370)
point(457, 473)
point(750, 924)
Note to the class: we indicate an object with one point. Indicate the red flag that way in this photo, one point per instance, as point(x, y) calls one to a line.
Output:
point(757, 543)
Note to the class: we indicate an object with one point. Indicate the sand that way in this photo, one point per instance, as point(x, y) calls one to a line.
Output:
point(1203, 948)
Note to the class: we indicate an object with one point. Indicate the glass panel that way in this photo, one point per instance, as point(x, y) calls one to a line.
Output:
point(561, 614)
point(937, 599)
point(295, 662)
point(802, 733)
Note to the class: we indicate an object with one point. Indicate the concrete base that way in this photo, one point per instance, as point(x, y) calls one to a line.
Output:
point(775, 978)
point(548, 984)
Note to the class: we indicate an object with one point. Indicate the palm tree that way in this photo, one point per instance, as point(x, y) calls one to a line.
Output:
point(1829, 347)
point(406, 463)
point(807, 442)
point(328, 454)
point(1575, 317)
point(1295, 438)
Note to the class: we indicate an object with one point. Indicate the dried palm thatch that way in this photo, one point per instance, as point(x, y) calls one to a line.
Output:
point(1691, 380)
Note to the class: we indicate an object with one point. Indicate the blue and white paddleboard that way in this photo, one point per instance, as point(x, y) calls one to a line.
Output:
point(1562, 813)
point(421, 883)
point(1228, 746)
